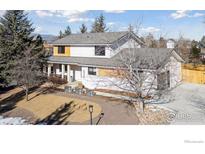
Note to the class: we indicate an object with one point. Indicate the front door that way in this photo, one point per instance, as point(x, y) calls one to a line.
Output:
point(76, 73)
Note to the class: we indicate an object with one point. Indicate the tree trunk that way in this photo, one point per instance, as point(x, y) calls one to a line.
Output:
point(141, 106)
point(26, 93)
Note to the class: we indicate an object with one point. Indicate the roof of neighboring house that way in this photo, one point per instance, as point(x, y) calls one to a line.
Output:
point(48, 38)
point(92, 38)
point(171, 39)
point(154, 56)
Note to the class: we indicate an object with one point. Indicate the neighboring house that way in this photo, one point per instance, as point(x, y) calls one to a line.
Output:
point(47, 40)
point(91, 57)
point(171, 43)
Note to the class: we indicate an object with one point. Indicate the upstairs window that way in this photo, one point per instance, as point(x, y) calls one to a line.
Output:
point(92, 71)
point(99, 51)
point(61, 49)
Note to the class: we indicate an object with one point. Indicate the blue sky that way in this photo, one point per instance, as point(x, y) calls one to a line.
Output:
point(170, 24)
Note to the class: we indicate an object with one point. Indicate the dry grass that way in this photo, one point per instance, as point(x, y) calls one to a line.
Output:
point(44, 105)
point(10, 93)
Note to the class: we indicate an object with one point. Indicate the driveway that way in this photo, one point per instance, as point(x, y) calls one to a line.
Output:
point(115, 111)
point(188, 104)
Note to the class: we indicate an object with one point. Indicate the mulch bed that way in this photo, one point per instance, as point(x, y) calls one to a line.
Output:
point(116, 92)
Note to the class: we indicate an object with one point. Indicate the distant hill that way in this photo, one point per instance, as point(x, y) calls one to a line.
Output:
point(47, 37)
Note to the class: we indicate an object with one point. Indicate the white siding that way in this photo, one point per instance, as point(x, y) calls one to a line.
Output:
point(174, 68)
point(89, 51)
point(170, 44)
point(77, 51)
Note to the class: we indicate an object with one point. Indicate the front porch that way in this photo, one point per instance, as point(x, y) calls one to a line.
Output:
point(65, 71)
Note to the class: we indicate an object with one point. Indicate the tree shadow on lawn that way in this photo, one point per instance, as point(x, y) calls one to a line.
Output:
point(58, 117)
point(47, 90)
point(10, 102)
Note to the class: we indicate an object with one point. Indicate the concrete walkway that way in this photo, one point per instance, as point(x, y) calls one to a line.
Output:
point(115, 112)
point(188, 104)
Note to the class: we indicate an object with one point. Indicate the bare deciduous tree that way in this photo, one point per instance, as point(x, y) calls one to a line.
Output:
point(29, 68)
point(143, 72)
point(184, 47)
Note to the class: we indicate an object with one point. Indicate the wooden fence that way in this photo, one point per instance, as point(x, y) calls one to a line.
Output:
point(193, 73)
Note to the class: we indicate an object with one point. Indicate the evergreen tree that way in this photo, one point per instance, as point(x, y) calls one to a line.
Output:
point(99, 25)
point(195, 51)
point(83, 28)
point(15, 31)
point(22, 55)
point(67, 31)
point(60, 34)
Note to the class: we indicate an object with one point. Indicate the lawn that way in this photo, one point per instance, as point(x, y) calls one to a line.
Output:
point(47, 106)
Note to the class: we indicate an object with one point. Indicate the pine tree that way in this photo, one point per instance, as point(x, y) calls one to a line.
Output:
point(99, 25)
point(195, 51)
point(83, 28)
point(15, 31)
point(67, 31)
point(22, 54)
point(60, 34)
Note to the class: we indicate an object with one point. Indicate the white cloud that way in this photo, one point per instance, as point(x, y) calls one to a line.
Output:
point(197, 14)
point(80, 19)
point(180, 14)
point(150, 29)
point(2, 12)
point(185, 13)
point(71, 15)
point(38, 29)
point(114, 11)
point(111, 23)
point(42, 13)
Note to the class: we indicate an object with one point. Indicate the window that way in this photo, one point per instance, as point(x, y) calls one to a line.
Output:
point(61, 49)
point(91, 70)
point(99, 50)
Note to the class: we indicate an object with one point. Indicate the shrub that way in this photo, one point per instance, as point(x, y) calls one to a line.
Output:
point(57, 80)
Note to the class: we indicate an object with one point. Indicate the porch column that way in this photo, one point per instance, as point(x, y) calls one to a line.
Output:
point(68, 73)
point(63, 71)
point(49, 70)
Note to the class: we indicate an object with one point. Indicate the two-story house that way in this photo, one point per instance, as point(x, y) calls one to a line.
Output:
point(93, 55)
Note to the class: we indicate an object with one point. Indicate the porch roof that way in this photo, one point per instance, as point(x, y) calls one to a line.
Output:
point(82, 61)
point(152, 57)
